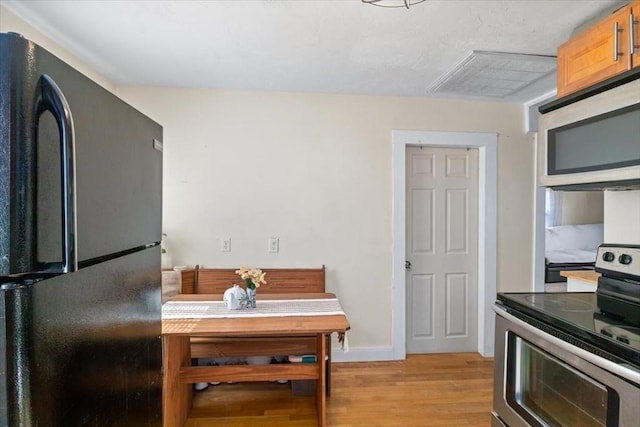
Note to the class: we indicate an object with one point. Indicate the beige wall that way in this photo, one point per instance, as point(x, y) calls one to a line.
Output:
point(583, 207)
point(315, 171)
point(622, 217)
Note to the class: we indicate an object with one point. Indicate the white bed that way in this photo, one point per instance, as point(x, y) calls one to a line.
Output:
point(571, 247)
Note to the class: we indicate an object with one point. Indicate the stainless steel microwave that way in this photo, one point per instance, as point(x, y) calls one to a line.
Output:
point(593, 143)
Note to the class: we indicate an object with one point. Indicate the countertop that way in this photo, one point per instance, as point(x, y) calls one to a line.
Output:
point(584, 275)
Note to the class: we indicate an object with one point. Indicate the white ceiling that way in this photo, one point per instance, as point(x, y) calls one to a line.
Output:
point(327, 46)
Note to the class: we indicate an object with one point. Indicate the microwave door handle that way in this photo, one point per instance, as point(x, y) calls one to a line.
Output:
point(52, 99)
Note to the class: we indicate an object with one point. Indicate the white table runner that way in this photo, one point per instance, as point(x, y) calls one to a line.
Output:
point(264, 308)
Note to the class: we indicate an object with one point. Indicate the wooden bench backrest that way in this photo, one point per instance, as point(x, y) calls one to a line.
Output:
point(279, 280)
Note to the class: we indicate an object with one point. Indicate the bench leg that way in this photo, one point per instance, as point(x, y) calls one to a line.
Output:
point(321, 386)
point(177, 396)
point(328, 362)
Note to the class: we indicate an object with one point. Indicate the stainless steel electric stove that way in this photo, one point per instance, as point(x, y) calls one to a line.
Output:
point(568, 358)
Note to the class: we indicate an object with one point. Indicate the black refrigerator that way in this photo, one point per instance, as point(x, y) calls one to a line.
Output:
point(80, 227)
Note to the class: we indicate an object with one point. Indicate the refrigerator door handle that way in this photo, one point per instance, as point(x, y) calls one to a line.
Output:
point(53, 100)
point(17, 328)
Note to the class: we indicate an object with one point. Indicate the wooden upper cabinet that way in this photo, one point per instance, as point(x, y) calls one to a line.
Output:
point(634, 29)
point(598, 53)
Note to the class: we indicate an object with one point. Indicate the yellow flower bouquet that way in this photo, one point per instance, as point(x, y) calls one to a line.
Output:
point(252, 277)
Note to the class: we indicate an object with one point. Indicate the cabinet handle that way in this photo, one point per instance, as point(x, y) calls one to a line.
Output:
point(616, 40)
point(632, 35)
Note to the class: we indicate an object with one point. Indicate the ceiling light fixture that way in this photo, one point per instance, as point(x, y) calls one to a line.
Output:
point(393, 3)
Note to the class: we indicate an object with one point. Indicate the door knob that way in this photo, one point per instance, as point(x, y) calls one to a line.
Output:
point(407, 265)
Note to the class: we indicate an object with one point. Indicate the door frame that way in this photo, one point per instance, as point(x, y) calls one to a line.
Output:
point(487, 144)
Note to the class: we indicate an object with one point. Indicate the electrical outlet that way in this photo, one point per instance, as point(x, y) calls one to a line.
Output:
point(225, 244)
point(274, 244)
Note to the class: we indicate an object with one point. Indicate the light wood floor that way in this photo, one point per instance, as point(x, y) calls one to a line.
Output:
point(424, 390)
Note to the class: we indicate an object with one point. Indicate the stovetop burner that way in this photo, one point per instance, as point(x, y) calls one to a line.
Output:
point(561, 302)
point(579, 314)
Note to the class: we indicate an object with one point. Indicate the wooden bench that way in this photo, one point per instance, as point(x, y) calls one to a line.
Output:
point(279, 280)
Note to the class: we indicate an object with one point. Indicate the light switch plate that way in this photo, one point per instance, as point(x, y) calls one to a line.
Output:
point(274, 244)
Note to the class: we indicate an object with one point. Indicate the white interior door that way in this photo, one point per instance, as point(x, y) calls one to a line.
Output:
point(442, 249)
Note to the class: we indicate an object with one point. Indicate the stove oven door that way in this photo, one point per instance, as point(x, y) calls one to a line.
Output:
point(543, 381)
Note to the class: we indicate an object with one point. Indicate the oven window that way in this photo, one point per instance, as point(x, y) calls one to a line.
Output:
point(547, 392)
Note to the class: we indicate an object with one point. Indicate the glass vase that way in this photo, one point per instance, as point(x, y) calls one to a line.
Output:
point(251, 297)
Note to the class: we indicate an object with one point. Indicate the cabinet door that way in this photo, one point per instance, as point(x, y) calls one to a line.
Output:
point(595, 55)
point(634, 29)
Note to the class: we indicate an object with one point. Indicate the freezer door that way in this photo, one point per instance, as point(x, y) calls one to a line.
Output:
point(92, 347)
point(118, 165)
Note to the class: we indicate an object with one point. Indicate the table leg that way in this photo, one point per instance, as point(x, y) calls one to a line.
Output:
point(176, 396)
point(321, 397)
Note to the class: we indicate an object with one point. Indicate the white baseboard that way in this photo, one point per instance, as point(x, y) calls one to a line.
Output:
point(363, 354)
point(376, 354)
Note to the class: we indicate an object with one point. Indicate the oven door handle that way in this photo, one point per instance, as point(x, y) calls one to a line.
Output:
point(628, 373)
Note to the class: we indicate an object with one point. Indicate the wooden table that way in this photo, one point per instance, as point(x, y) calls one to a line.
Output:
point(179, 374)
